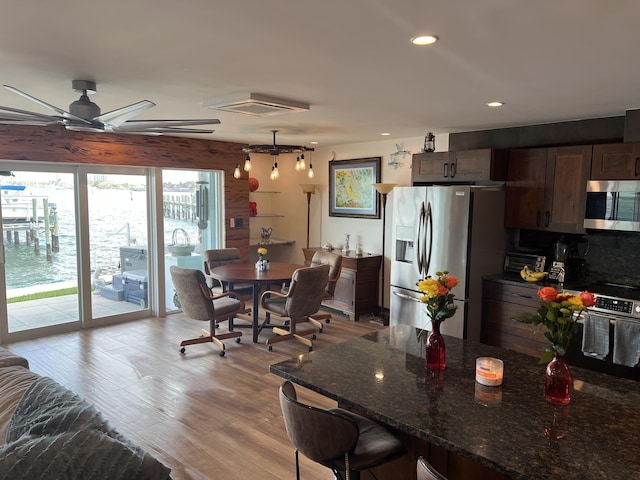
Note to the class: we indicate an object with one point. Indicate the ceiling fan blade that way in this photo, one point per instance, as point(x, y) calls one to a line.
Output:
point(119, 116)
point(155, 124)
point(16, 114)
point(161, 130)
point(60, 111)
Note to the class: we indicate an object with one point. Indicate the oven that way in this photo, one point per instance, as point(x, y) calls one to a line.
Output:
point(611, 308)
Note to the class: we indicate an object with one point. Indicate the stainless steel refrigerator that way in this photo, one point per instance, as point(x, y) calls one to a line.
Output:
point(454, 228)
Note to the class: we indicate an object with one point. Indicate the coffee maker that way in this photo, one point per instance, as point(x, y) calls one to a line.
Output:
point(558, 270)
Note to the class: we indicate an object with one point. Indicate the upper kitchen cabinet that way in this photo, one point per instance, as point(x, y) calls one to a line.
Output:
point(546, 188)
point(470, 166)
point(619, 161)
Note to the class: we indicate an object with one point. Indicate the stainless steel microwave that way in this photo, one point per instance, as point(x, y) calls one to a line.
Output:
point(613, 205)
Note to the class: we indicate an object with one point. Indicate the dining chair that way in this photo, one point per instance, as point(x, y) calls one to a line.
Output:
point(425, 471)
point(323, 257)
point(302, 300)
point(200, 303)
point(224, 256)
point(341, 440)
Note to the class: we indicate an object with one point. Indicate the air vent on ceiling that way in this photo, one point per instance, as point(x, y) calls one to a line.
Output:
point(257, 105)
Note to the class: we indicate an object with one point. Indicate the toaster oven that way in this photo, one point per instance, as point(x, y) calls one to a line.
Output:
point(514, 262)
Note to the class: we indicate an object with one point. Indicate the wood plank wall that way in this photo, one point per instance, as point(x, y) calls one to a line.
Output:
point(57, 144)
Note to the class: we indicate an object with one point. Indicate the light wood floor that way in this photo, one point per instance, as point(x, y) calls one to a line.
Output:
point(203, 415)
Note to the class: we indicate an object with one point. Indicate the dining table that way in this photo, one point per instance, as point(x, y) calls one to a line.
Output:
point(467, 429)
point(277, 273)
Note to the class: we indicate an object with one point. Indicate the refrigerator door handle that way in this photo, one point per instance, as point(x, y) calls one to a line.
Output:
point(429, 225)
point(420, 252)
point(404, 296)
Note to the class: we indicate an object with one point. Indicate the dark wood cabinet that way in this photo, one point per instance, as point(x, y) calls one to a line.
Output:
point(469, 166)
point(619, 161)
point(358, 286)
point(501, 305)
point(546, 188)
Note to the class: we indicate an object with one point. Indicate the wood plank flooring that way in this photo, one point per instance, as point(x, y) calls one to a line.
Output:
point(203, 415)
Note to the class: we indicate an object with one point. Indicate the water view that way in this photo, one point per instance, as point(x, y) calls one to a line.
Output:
point(117, 219)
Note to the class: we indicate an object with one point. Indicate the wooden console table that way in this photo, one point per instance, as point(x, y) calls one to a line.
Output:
point(357, 288)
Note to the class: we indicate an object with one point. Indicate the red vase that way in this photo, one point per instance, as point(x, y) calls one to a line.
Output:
point(557, 382)
point(435, 348)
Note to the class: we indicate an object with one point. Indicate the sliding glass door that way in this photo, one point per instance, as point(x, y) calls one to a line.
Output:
point(40, 280)
point(117, 209)
point(90, 245)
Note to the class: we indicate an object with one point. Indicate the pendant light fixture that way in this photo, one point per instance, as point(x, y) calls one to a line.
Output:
point(236, 172)
point(274, 150)
point(247, 163)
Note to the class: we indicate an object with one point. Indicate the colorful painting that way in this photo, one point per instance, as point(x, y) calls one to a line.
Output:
point(351, 191)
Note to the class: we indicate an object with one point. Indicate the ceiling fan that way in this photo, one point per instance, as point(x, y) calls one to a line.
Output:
point(84, 115)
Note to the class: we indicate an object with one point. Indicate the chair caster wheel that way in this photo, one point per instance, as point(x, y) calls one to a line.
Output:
point(238, 340)
point(328, 320)
point(320, 330)
point(313, 337)
point(311, 349)
point(221, 353)
point(270, 348)
point(182, 350)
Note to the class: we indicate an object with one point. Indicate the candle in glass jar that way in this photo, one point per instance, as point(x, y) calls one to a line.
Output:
point(489, 371)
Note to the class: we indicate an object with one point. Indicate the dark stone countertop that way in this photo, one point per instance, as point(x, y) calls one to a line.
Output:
point(510, 428)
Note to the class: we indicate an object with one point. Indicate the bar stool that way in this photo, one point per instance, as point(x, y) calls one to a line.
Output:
point(336, 438)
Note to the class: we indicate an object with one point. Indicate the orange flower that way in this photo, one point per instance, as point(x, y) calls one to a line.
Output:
point(548, 294)
point(588, 299)
point(450, 281)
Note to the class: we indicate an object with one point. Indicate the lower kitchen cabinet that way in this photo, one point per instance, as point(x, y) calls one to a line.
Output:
point(501, 305)
point(358, 286)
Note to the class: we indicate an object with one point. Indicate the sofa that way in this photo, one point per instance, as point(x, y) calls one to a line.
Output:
point(49, 432)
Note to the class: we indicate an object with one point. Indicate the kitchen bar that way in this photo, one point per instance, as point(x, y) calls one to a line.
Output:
point(508, 431)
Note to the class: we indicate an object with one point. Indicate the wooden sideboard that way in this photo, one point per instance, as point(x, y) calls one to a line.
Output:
point(357, 290)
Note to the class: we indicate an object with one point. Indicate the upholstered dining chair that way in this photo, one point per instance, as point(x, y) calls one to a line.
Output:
point(302, 300)
point(223, 256)
point(324, 257)
point(341, 440)
point(199, 303)
point(425, 471)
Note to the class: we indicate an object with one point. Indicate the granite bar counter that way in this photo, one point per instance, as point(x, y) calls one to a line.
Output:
point(510, 430)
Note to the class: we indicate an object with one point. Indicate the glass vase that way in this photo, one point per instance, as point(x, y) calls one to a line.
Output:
point(557, 382)
point(435, 348)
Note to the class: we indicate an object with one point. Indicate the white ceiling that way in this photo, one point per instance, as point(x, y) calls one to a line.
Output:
point(351, 60)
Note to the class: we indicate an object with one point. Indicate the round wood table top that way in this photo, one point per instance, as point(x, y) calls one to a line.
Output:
point(247, 272)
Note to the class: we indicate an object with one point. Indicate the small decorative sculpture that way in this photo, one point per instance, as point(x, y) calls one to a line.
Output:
point(345, 249)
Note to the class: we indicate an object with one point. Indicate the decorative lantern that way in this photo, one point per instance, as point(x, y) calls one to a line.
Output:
point(430, 142)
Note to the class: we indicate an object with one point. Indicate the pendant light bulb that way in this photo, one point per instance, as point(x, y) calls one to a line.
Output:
point(247, 163)
point(276, 174)
point(236, 172)
point(310, 174)
point(303, 166)
point(298, 164)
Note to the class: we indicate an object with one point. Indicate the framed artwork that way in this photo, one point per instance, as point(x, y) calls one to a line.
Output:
point(351, 192)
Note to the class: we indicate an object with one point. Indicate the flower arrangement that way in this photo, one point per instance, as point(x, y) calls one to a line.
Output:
point(438, 297)
point(261, 252)
point(557, 312)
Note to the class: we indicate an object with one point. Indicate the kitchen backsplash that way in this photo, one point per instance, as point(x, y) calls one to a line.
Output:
point(614, 256)
point(595, 256)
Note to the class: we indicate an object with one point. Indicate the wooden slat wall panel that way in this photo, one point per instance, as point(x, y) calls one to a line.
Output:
point(57, 144)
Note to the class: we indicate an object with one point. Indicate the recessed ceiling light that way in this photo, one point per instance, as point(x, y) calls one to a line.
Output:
point(313, 143)
point(424, 40)
point(495, 104)
point(385, 134)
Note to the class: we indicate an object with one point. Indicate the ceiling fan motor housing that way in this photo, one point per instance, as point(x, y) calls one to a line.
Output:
point(84, 108)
